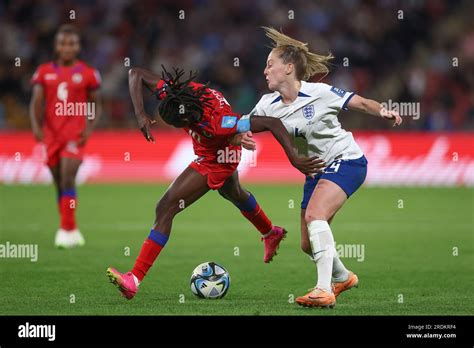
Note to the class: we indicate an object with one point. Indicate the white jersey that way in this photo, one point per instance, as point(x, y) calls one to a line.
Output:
point(311, 119)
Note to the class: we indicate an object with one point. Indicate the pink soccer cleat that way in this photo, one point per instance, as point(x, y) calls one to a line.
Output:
point(124, 282)
point(271, 242)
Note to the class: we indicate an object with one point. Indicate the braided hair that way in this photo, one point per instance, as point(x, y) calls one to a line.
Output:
point(180, 102)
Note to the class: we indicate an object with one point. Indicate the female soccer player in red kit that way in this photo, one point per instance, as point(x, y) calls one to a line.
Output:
point(206, 115)
point(64, 108)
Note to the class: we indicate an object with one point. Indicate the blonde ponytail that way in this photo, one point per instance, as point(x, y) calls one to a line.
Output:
point(307, 64)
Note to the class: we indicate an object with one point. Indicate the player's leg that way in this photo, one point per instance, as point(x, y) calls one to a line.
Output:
point(245, 201)
point(339, 271)
point(53, 163)
point(184, 191)
point(69, 235)
point(55, 173)
point(340, 180)
point(188, 187)
point(53, 159)
point(308, 189)
point(69, 168)
point(342, 278)
point(326, 200)
point(305, 245)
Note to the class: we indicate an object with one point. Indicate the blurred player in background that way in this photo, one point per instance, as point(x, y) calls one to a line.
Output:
point(207, 117)
point(64, 109)
point(309, 112)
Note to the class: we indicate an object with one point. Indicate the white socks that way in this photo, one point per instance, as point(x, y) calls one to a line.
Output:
point(322, 245)
point(339, 272)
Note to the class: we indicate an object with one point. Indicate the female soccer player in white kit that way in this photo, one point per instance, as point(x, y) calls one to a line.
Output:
point(309, 112)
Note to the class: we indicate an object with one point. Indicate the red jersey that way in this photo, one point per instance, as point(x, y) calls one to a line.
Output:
point(218, 123)
point(66, 90)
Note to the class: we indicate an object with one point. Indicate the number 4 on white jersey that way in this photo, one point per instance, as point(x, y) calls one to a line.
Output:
point(334, 167)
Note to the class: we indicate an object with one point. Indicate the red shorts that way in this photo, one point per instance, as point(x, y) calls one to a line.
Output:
point(217, 173)
point(56, 149)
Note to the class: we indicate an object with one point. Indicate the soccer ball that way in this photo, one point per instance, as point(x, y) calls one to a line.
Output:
point(210, 280)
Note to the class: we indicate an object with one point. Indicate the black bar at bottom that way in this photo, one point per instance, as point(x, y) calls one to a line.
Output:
point(218, 330)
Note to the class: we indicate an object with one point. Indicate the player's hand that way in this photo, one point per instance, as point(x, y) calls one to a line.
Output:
point(244, 139)
point(391, 115)
point(145, 124)
point(236, 139)
point(83, 137)
point(38, 134)
point(308, 165)
point(247, 141)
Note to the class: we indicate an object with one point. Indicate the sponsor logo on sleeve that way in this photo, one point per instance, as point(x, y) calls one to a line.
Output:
point(228, 121)
point(340, 92)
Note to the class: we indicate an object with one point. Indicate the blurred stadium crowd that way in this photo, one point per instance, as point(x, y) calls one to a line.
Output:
point(426, 56)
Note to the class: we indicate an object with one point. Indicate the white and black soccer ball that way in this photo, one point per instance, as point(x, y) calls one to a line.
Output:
point(210, 280)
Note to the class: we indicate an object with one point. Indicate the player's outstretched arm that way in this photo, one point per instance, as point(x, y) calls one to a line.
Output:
point(373, 107)
point(36, 111)
point(137, 78)
point(307, 166)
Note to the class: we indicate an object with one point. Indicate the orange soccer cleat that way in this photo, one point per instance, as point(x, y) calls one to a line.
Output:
point(351, 282)
point(317, 298)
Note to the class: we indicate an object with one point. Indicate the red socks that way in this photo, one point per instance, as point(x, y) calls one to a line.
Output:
point(67, 210)
point(252, 211)
point(258, 218)
point(150, 250)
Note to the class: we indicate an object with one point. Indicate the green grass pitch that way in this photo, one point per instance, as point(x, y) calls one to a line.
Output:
point(418, 259)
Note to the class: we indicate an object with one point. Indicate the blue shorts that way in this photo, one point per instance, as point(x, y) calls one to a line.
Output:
point(347, 174)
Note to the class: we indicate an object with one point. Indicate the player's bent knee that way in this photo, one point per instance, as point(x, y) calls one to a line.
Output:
point(233, 194)
point(310, 216)
point(168, 207)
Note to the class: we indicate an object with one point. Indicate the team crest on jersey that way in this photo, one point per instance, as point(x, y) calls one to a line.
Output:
point(308, 111)
point(77, 78)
